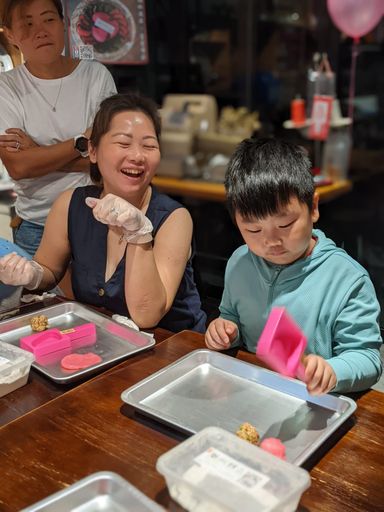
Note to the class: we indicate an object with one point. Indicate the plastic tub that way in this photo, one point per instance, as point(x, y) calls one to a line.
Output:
point(215, 470)
point(15, 364)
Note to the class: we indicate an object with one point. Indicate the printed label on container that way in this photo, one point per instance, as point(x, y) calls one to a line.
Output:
point(226, 467)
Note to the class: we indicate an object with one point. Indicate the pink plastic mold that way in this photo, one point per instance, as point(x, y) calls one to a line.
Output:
point(53, 342)
point(282, 344)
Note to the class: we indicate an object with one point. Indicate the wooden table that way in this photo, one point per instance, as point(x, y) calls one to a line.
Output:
point(88, 429)
point(39, 389)
point(209, 191)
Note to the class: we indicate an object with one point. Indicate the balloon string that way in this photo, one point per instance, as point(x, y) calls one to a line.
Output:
point(352, 84)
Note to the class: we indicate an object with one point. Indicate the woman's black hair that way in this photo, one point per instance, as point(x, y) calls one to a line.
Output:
point(114, 105)
point(9, 6)
point(263, 175)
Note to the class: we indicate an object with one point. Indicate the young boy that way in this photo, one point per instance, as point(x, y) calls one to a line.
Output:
point(285, 262)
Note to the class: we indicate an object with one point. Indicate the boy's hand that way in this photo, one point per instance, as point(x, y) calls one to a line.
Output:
point(319, 375)
point(220, 334)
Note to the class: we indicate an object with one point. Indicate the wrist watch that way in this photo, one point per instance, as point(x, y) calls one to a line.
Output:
point(81, 144)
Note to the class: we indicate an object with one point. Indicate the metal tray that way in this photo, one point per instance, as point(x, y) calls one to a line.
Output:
point(114, 341)
point(100, 492)
point(206, 388)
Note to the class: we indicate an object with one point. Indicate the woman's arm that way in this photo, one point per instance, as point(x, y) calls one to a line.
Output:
point(54, 251)
point(153, 273)
point(23, 158)
point(51, 259)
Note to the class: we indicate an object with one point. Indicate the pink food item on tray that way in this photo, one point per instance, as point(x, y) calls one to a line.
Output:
point(282, 344)
point(54, 341)
point(80, 361)
point(274, 446)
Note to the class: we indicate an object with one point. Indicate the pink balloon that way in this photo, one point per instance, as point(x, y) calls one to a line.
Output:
point(355, 17)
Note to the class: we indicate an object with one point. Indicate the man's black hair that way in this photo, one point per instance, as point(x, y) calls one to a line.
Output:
point(263, 175)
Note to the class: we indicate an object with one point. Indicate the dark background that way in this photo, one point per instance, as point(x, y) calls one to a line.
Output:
point(256, 54)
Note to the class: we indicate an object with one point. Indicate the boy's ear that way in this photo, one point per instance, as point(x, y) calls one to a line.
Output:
point(315, 208)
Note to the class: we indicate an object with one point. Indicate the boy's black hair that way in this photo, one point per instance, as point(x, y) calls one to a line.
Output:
point(263, 175)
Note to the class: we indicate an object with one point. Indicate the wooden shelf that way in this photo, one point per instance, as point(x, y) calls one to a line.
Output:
point(209, 191)
point(337, 123)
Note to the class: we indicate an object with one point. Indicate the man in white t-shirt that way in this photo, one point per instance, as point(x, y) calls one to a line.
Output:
point(47, 107)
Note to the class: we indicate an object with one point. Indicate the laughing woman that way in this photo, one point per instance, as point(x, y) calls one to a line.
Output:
point(129, 246)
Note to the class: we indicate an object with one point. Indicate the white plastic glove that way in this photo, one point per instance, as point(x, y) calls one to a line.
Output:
point(18, 271)
point(115, 211)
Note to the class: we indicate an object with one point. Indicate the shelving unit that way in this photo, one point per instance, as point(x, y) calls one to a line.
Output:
point(340, 123)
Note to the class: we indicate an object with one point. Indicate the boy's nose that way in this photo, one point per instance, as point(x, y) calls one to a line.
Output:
point(272, 241)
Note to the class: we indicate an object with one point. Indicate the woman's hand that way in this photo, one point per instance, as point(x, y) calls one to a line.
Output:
point(220, 334)
point(118, 212)
point(19, 271)
point(16, 140)
point(319, 375)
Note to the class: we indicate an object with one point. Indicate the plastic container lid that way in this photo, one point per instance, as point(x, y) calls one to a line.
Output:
point(15, 364)
point(214, 470)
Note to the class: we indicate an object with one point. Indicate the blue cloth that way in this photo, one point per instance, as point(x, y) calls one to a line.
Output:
point(328, 294)
point(88, 240)
point(28, 236)
point(5, 248)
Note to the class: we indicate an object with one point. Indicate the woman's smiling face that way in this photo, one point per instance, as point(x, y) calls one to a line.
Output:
point(284, 237)
point(128, 154)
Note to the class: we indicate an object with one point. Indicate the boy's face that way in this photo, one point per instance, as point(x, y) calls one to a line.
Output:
point(284, 237)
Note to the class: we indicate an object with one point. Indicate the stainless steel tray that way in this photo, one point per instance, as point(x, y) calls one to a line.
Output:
point(114, 341)
point(100, 492)
point(206, 388)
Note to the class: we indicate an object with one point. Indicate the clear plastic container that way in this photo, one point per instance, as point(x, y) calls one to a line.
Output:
point(15, 364)
point(215, 471)
point(336, 155)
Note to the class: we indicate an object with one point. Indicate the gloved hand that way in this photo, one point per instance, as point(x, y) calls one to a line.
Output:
point(18, 271)
point(115, 211)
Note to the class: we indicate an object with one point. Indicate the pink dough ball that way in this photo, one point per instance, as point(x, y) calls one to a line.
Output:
point(274, 446)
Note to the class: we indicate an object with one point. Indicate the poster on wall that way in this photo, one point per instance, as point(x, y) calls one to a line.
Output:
point(110, 31)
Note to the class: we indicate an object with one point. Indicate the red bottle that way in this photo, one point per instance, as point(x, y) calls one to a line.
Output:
point(298, 111)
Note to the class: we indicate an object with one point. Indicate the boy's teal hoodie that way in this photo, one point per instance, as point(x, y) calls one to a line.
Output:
point(327, 293)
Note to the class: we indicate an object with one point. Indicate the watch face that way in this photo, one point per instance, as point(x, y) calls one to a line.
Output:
point(82, 144)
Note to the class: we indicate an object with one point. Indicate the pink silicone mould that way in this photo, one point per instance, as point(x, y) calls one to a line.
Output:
point(282, 344)
point(63, 343)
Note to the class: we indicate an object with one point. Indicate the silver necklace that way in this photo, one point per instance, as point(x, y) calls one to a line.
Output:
point(53, 107)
